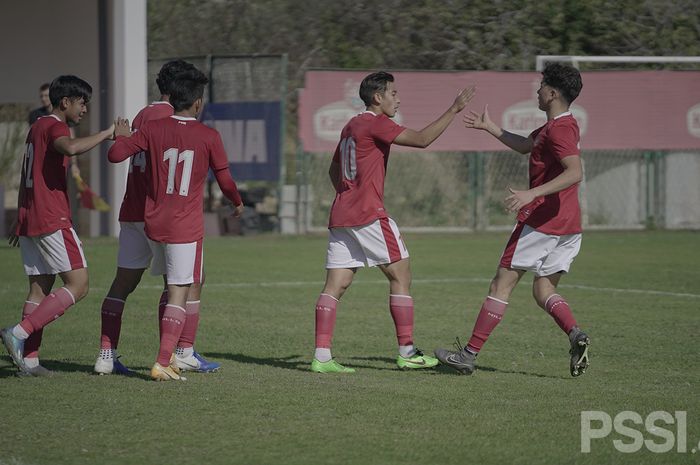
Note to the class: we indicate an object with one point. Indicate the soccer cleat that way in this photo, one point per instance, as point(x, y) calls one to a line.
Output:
point(111, 366)
point(14, 346)
point(196, 362)
point(37, 371)
point(331, 366)
point(461, 360)
point(417, 360)
point(579, 352)
point(161, 373)
point(173, 364)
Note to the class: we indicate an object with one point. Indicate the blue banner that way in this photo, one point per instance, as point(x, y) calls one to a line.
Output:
point(251, 135)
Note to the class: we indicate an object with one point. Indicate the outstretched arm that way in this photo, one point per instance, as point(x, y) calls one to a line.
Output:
point(572, 174)
point(428, 134)
point(126, 144)
point(482, 121)
point(73, 147)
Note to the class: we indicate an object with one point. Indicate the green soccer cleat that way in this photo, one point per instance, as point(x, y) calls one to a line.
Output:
point(417, 360)
point(331, 366)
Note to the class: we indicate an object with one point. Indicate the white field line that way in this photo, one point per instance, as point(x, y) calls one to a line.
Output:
point(319, 284)
point(436, 281)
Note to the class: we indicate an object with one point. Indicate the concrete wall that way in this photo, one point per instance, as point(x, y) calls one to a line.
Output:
point(42, 39)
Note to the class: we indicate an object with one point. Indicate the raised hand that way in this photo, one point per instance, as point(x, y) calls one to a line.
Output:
point(121, 127)
point(475, 120)
point(463, 97)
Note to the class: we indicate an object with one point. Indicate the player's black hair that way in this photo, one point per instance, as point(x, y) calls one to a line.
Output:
point(168, 72)
point(187, 87)
point(564, 78)
point(44, 87)
point(69, 86)
point(375, 82)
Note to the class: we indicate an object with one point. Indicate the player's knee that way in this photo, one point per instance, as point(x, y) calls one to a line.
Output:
point(79, 291)
point(499, 289)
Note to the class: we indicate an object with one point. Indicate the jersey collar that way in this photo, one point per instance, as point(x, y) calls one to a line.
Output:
point(183, 118)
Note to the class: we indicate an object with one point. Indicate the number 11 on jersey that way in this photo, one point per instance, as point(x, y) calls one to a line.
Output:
point(173, 157)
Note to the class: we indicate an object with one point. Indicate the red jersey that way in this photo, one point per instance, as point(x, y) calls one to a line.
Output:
point(43, 197)
point(363, 154)
point(180, 152)
point(134, 201)
point(558, 213)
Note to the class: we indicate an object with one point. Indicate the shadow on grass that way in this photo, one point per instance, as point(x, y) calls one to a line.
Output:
point(63, 366)
point(290, 362)
point(295, 362)
point(447, 370)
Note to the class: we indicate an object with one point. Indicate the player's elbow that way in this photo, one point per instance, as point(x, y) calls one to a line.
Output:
point(113, 156)
point(70, 150)
point(578, 176)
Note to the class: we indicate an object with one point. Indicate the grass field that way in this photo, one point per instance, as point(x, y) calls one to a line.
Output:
point(637, 294)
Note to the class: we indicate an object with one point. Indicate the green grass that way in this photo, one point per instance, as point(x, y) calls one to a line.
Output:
point(265, 407)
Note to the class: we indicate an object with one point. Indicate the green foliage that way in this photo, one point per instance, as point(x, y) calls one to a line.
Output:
point(13, 133)
point(265, 407)
point(426, 34)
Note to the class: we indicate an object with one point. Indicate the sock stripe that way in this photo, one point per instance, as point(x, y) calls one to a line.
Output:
point(497, 300)
point(70, 294)
point(176, 306)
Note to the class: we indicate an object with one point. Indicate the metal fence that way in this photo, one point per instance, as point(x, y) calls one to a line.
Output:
point(427, 191)
point(234, 78)
point(241, 78)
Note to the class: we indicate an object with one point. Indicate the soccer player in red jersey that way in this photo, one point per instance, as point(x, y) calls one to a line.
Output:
point(547, 235)
point(135, 254)
point(360, 230)
point(181, 151)
point(44, 230)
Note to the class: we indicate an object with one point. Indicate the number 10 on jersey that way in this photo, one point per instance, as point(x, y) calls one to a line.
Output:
point(348, 158)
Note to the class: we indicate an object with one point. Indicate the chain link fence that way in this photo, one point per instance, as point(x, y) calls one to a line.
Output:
point(427, 191)
point(233, 78)
point(240, 78)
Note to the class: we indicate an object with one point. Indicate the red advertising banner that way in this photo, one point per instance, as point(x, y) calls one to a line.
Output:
point(653, 110)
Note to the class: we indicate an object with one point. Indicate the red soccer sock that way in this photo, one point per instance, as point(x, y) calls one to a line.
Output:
point(401, 307)
point(161, 310)
point(325, 320)
point(32, 344)
point(559, 309)
point(172, 323)
point(490, 315)
point(189, 329)
point(111, 322)
point(53, 306)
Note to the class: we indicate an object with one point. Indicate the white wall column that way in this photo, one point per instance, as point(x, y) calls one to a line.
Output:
point(128, 83)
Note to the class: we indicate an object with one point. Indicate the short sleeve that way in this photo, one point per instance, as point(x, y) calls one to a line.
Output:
point(218, 159)
point(58, 130)
point(533, 134)
point(385, 130)
point(564, 141)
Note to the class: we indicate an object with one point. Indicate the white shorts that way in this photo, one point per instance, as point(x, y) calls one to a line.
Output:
point(181, 263)
point(373, 244)
point(134, 251)
point(543, 254)
point(52, 253)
